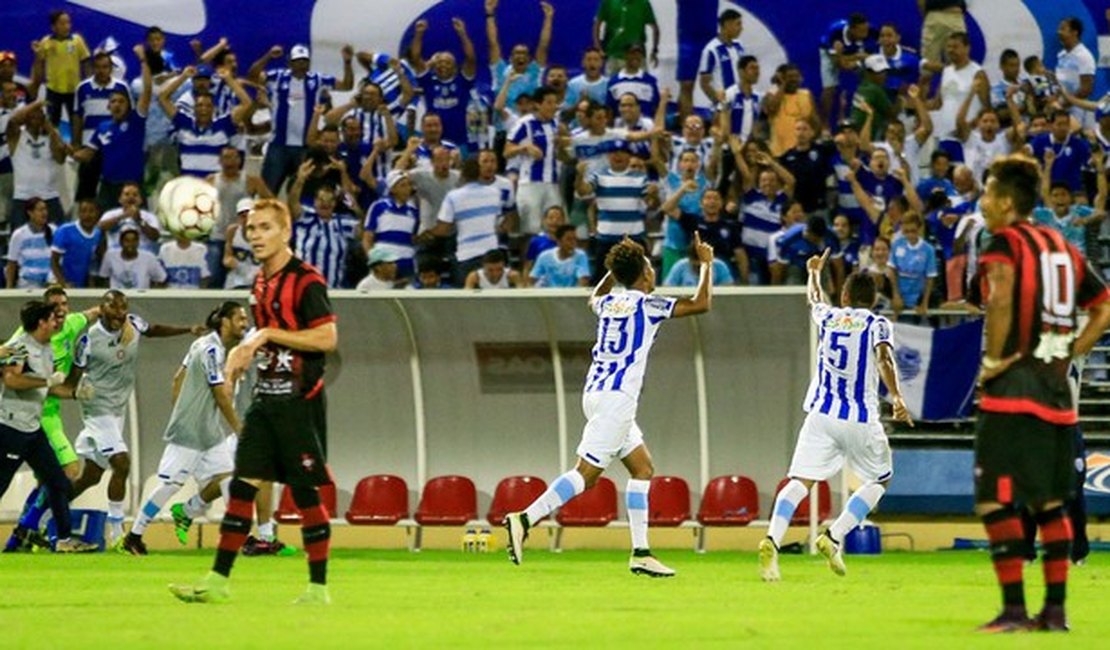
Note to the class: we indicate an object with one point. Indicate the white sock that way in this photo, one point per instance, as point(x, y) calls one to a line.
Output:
point(195, 506)
point(162, 494)
point(115, 518)
point(861, 503)
point(786, 503)
point(636, 501)
point(266, 531)
point(561, 490)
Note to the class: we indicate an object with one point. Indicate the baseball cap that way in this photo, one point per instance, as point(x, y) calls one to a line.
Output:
point(876, 63)
point(244, 205)
point(394, 177)
point(380, 255)
point(128, 226)
point(299, 52)
point(619, 145)
point(7, 55)
point(204, 71)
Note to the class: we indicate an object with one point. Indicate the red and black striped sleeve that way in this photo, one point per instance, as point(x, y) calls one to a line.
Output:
point(999, 251)
point(313, 305)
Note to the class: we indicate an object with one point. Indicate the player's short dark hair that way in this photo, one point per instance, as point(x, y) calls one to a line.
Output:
point(861, 289)
point(1074, 24)
point(745, 61)
point(225, 310)
point(55, 16)
point(1017, 177)
point(33, 313)
point(154, 30)
point(428, 263)
point(495, 256)
point(430, 114)
point(564, 229)
point(913, 218)
point(626, 262)
point(962, 37)
point(857, 18)
point(892, 27)
point(1007, 55)
point(1030, 62)
point(542, 92)
point(817, 226)
point(471, 170)
point(729, 15)
point(1057, 114)
point(112, 295)
point(593, 107)
point(101, 54)
point(940, 153)
point(54, 290)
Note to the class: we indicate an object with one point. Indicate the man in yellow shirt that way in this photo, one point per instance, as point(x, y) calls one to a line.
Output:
point(788, 104)
point(60, 57)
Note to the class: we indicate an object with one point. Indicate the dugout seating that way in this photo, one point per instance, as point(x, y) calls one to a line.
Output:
point(594, 508)
point(450, 500)
point(824, 504)
point(379, 500)
point(731, 500)
point(668, 501)
point(513, 494)
point(288, 513)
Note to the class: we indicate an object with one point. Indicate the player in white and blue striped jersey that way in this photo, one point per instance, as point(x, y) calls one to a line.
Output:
point(628, 322)
point(855, 349)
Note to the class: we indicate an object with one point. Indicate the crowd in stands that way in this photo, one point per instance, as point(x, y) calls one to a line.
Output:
point(428, 177)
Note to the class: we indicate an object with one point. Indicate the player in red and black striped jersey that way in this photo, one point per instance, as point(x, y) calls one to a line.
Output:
point(1033, 284)
point(284, 436)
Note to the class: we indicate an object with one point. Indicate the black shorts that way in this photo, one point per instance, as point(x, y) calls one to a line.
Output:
point(1023, 459)
point(284, 440)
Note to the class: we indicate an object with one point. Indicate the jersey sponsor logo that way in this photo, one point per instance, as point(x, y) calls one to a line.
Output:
point(1098, 473)
point(909, 363)
point(847, 323)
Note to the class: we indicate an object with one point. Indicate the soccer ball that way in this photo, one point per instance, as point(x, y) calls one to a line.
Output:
point(188, 206)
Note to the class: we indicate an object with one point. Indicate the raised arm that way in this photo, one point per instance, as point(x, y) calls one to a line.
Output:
point(165, 98)
point(206, 56)
point(924, 121)
point(470, 55)
point(416, 47)
point(1046, 176)
point(702, 299)
point(348, 80)
point(544, 45)
point(165, 331)
point(241, 113)
point(143, 105)
point(963, 127)
point(257, 71)
point(491, 32)
point(582, 185)
point(865, 200)
point(58, 146)
point(787, 178)
point(294, 199)
point(815, 293)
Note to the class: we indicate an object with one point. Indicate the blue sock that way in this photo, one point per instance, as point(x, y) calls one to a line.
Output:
point(34, 508)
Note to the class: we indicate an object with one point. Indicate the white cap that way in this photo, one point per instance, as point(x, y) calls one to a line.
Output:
point(244, 205)
point(394, 177)
point(299, 52)
point(876, 63)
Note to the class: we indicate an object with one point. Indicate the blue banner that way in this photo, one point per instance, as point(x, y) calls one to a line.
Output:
point(938, 368)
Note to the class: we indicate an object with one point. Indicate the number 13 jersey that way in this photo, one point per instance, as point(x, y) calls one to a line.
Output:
point(846, 384)
point(1051, 281)
point(627, 325)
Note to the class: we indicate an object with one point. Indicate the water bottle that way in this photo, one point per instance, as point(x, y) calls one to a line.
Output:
point(470, 541)
point(483, 541)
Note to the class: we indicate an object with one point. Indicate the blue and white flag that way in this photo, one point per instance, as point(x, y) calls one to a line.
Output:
point(937, 368)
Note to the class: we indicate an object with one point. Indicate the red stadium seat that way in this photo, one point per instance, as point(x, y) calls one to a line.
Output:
point(447, 501)
point(379, 500)
point(287, 512)
point(513, 494)
point(668, 501)
point(729, 501)
point(596, 506)
point(824, 504)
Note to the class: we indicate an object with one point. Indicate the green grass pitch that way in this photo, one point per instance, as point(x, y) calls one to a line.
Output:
point(445, 599)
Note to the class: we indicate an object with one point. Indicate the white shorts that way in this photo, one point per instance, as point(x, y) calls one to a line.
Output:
point(179, 463)
point(611, 431)
point(532, 200)
point(101, 439)
point(830, 72)
point(825, 442)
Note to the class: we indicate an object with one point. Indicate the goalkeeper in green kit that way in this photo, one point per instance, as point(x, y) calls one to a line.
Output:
point(26, 533)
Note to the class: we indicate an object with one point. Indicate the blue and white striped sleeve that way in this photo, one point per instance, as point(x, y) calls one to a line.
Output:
point(882, 332)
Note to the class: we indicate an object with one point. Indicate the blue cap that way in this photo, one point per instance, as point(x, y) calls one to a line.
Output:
point(204, 71)
point(619, 145)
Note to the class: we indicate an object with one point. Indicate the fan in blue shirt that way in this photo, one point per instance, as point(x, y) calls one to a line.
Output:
point(1063, 153)
point(73, 248)
point(566, 265)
